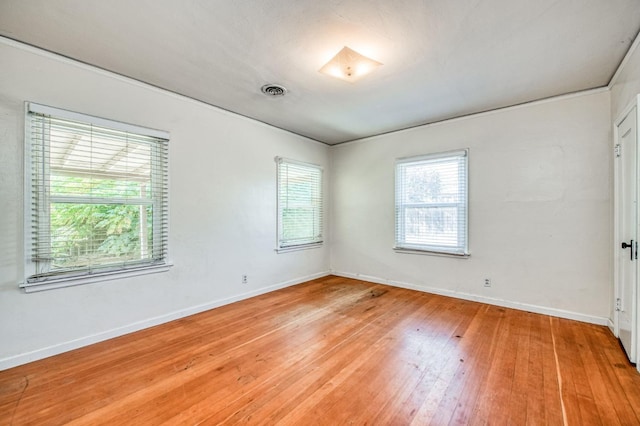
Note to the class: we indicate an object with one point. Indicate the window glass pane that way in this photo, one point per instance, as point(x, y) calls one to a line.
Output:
point(432, 226)
point(432, 182)
point(85, 235)
point(298, 224)
point(62, 185)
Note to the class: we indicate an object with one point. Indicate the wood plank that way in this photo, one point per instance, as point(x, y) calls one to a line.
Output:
point(459, 399)
point(495, 390)
point(517, 400)
point(336, 351)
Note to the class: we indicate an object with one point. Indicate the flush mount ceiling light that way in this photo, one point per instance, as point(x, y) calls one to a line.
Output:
point(349, 65)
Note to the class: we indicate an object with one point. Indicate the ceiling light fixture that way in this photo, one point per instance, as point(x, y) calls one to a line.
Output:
point(349, 65)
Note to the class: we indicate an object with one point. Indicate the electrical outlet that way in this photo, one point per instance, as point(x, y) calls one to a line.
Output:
point(487, 282)
point(245, 280)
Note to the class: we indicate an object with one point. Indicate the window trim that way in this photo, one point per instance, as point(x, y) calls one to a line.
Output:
point(31, 282)
point(279, 225)
point(434, 250)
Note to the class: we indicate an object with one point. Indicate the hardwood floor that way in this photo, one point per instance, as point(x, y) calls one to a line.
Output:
point(337, 351)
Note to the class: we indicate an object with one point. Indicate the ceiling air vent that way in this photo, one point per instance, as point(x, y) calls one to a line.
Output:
point(273, 90)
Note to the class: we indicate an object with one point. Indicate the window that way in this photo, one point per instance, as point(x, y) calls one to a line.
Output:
point(431, 203)
point(299, 205)
point(97, 200)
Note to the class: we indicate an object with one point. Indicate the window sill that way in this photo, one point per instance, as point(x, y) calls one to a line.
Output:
point(431, 253)
point(298, 248)
point(67, 281)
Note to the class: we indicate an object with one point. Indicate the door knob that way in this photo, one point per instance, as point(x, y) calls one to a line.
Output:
point(630, 246)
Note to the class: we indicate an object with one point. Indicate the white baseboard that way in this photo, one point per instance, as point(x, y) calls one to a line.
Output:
point(592, 319)
point(13, 361)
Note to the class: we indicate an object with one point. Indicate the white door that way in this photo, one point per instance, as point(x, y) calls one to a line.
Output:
point(626, 239)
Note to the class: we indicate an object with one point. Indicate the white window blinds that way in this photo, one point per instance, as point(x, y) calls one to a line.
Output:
point(98, 197)
point(431, 203)
point(299, 202)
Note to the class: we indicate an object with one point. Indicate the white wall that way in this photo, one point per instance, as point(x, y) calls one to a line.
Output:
point(625, 85)
point(539, 207)
point(222, 205)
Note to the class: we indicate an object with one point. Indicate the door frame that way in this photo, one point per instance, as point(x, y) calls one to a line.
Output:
point(617, 253)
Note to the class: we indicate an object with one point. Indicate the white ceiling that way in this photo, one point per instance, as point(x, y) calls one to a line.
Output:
point(442, 58)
